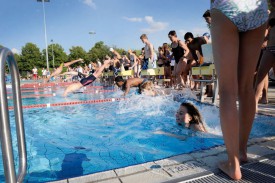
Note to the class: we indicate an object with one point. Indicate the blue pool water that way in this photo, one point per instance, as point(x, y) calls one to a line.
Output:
point(70, 141)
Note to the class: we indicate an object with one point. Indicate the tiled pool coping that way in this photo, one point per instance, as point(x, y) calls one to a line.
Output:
point(181, 166)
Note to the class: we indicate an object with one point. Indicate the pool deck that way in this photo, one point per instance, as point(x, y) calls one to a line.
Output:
point(187, 167)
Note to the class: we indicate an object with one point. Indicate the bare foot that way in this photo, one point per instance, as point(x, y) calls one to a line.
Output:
point(230, 170)
point(243, 157)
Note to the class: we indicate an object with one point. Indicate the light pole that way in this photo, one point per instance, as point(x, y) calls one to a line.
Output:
point(52, 53)
point(45, 29)
point(92, 32)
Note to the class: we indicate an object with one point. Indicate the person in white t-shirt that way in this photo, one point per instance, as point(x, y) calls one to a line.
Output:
point(44, 73)
point(34, 73)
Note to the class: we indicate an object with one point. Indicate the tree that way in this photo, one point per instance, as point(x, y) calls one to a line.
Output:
point(98, 51)
point(30, 57)
point(77, 52)
point(59, 55)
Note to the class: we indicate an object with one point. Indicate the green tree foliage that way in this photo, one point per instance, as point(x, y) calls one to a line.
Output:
point(98, 52)
point(1, 46)
point(60, 55)
point(77, 52)
point(29, 58)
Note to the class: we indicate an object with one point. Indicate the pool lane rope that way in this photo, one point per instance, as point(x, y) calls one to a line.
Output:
point(54, 94)
point(48, 105)
point(33, 90)
point(45, 85)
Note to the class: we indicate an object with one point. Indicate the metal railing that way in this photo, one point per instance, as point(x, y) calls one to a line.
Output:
point(5, 132)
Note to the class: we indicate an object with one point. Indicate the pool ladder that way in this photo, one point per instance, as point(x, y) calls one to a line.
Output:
point(5, 132)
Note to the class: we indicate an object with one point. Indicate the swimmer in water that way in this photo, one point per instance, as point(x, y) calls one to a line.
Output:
point(189, 117)
point(144, 86)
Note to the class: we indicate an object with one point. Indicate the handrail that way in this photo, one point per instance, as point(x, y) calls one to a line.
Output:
point(5, 132)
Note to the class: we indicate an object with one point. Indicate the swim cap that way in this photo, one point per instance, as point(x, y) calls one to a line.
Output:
point(206, 35)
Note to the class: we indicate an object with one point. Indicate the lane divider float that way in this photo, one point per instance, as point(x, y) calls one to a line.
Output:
point(48, 105)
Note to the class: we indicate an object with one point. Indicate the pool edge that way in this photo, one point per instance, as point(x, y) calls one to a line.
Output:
point(180, 167)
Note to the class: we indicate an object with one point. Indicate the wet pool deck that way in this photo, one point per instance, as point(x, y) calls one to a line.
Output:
point(187, 166)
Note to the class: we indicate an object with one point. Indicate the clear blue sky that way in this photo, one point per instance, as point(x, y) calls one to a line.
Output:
point(116, 22)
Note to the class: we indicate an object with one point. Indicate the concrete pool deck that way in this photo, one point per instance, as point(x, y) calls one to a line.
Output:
point(187, 167)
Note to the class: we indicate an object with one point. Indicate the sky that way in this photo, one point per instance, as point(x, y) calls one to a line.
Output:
point(115, 22)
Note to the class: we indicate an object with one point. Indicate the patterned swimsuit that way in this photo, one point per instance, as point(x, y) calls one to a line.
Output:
point(245, 14)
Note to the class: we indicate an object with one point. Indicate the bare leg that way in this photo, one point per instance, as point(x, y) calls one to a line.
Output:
point(178, 72)
point(265, 64)
point(72, 87)
point(250, 47)
point(225, 51)
point(78, 85)
point(60, 68)
point(264, 99)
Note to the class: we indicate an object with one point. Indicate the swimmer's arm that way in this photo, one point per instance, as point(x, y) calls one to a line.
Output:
point(184, 46)
point(98, 72)
point(128, 86)
point(117, 54)
point(159, 132)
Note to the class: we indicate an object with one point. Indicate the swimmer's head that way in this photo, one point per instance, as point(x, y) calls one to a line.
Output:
point(188, 114)
point(119, 81)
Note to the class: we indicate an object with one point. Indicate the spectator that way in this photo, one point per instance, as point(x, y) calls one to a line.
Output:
point(180, 52)
point(237, 30)
point(34, 73)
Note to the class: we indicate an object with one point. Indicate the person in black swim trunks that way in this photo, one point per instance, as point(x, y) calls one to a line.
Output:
point(88, 80)
point(143, 85)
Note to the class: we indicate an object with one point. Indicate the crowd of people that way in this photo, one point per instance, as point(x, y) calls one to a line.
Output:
point(239, 32)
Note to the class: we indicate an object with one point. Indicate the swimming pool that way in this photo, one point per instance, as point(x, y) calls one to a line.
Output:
point(70, 141)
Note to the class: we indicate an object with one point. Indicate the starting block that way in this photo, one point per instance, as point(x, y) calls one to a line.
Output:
point(207, 73)
point(153, 72)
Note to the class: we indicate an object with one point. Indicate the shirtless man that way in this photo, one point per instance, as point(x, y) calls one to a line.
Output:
point(88, 80)
point(148, 52)
point(142, 84)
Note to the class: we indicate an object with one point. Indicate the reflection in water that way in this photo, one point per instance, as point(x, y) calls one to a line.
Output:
point(71, 167)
